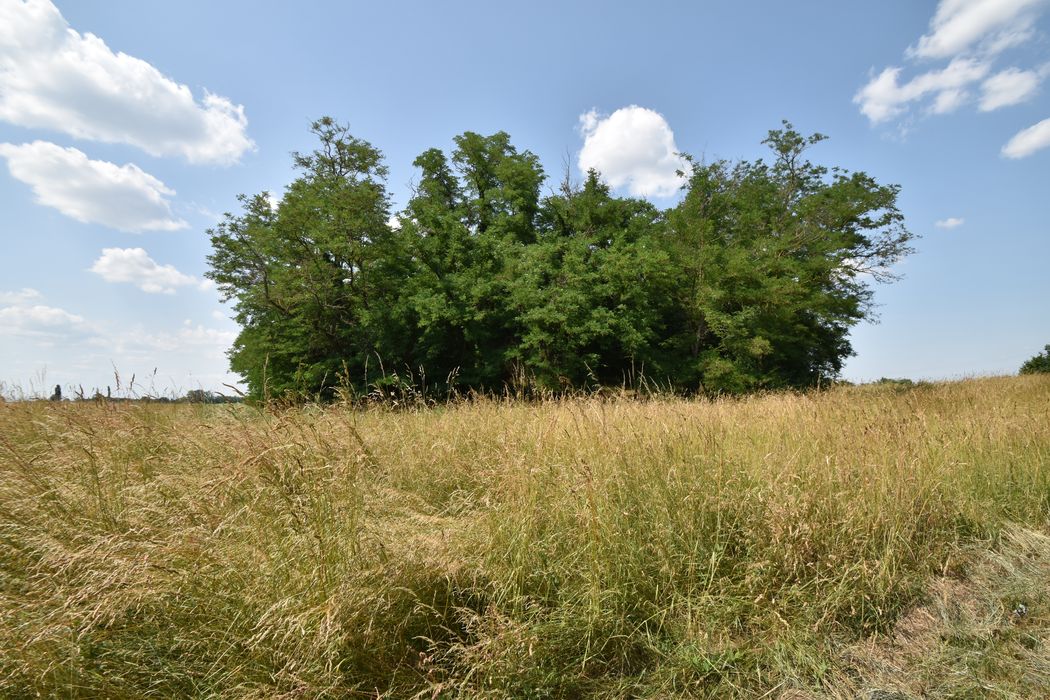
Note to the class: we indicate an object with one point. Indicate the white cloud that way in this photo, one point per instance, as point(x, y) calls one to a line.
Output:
point(1028, 141)
point(135, 266)
point(989, 25)
point(26, 318)
point(274, 201)
point(950, 222)
point(197, 340)
point(634, 148)
point(51, 344)
point(39, 314)
point(949, 100)
point(20, 297)
point(41, 322)
point(1010, 87)
point(884, 97)
point(971, 34)
point(123, 197)
point(53, 77)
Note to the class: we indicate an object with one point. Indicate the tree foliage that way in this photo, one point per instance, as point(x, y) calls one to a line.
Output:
point(751, 282)
point(1039, 364)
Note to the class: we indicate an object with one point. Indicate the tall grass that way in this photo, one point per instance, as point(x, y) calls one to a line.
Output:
point(586, 547)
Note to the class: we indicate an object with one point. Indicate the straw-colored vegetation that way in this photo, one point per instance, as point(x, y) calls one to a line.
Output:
point(873, 541)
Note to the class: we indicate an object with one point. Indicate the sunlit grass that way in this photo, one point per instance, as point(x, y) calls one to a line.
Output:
point(587, 547)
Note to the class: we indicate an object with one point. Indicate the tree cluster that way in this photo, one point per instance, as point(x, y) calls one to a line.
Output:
point(1037, 364)
point(752, 281)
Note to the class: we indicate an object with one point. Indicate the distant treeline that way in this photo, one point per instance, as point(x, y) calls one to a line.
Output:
point(192, 396)
point(487, 279)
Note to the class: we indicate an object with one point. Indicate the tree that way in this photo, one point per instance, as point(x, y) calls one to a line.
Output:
point(1039, 364)
point(774, 266)
point(751, 282)
point(587, 294)
point(464, 230)
point(306, 278)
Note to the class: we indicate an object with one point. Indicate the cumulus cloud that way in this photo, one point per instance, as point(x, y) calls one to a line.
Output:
point(135, 266)
point(990, 26)
point(1028, 141)
point(20, 297)
point(25, 317)
point(123, 197)
point(42, 322)
point(634, 148)
point(885, 97)
point(38, 315)
point(53, 77)
point(1010, 87)
point(950, 222)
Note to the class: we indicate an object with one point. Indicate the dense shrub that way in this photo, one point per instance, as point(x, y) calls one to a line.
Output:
point(1040, 364)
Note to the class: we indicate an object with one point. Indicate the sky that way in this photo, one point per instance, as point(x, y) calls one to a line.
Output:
point(128, 128)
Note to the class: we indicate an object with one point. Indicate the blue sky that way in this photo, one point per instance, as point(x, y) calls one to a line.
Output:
point(127, 128)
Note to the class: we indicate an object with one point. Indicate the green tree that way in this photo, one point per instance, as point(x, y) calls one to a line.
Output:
point(587, 293)
point(1039, 364)
point(751, 282)
point(307, 277)
point(464, 229)
point(774, 266)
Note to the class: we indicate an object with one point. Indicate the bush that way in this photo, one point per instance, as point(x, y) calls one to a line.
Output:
point(1040, 364)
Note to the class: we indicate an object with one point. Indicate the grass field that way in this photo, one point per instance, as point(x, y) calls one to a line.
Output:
point(862, 542)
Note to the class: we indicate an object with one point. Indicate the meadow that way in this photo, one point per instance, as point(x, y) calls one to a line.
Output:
point(859, 542)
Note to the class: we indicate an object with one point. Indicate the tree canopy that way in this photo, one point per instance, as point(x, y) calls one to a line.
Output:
point(1038, 364)
point(752, 281)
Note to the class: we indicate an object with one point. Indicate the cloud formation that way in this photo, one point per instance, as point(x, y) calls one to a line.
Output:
point(884, 97)
point(212, 341)
point(1010, 87)
point(633, 147)
point(84, 350)
point(971, 34)
point(135, 266)
point(123, 197)
point(1028, 141)
point(990, 26)
point(950, 222)
point(53, 77)
point(46, 323)
point(37, 315)
point(20, 297)
point(23, 318)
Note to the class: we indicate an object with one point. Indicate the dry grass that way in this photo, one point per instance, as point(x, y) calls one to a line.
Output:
point(866, 540)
